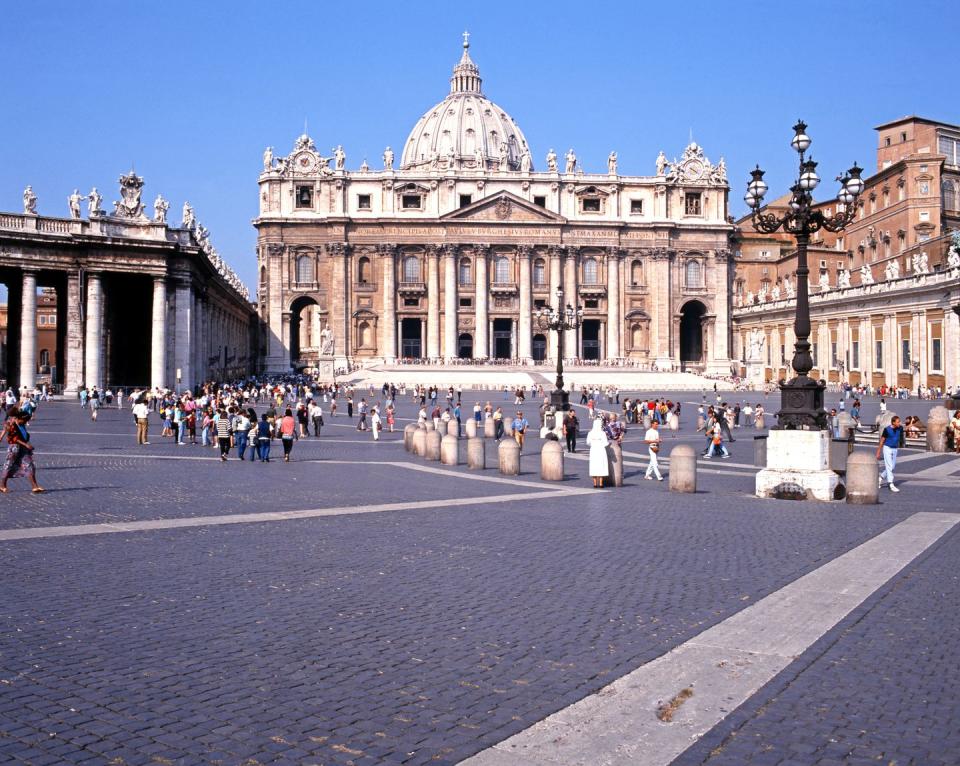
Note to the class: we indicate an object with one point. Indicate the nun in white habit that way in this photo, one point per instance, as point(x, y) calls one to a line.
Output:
point(597, 442)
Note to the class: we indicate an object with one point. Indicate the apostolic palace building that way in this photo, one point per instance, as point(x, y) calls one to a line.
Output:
point(448, 250)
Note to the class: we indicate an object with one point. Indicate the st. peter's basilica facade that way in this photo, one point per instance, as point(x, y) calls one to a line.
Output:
point(449, 254)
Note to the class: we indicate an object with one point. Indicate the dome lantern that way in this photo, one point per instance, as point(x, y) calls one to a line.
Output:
point(466, 74)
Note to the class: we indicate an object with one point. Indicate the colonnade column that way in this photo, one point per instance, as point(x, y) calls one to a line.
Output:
point(183, 325)
point(433, 303)
point(951, 348)
point(158, 335)
point(28, 331)
point(387, 257)
point(556, 279)
point(525, 331)
point(94, 335)
point(74, 351)
point(613, 303)
point(481, 343)
point(450, 302)
point(571, 346)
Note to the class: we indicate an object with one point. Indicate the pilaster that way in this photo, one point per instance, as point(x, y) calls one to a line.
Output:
point(571, 345)
point(613, 303)
point(389, 324)
point(74, 342)
point(524, 349)
point(556, 284)
point(184, 334)
point(481, 343)
point(450, 302)
point(433, 303)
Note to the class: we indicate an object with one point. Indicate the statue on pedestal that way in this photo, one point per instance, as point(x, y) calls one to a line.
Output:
point(571, 159)
point(612, 163)
point(29, 201)
point(953, 258)
point(74, 203)
point(788, 286)
point(661, 164)
point(326, 341)
point(189, 219)
point(824, 281)
point(160, 208)
point(866, 274)
point(93, 205)
point(755, 341)
point(775, 293)
point(552, 161)
point(892, 271)
point(504, 156)
point(525, 162)
point(268, 158)
point(843, 279)
point(479, 158)
point(388, 159)
point(339, 157)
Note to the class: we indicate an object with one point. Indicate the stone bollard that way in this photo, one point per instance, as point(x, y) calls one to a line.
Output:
point(646, 422)
point(432, 450)
point(937, 423)
point(450, 449)
point(508, 427)
point(476, 453)
point(489, 428)
point(863, 474)
point(551, 461)
point(471, 429)
point(883, 419)
point(615, 460)
point(683, 469)
point(429, 425)
point(845, 424)
point(453, 429)
point(760, 451)
point(408, 431)
point(419, 442)
point(701, 422)
point(508, 455)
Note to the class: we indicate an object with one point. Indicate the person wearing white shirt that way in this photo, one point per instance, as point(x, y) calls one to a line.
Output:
point(652, 439)
point(142, 414)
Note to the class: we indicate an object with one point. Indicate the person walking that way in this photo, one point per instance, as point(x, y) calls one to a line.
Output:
point(519, 426)
point(498, 424)
point(288, 432)
point(571, 427)
point(316, 416)
point(223, 434)
point(19, 459)
point(241, 429)
point(362, 410)
point(264, 434)
point(141, 414)
point(890, 440)
point(652, 439)
point(376, 422)
point(599, 464)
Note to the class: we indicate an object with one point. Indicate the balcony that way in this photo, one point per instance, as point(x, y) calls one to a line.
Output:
point(364, 287)
point(412, 288)
point(503, 288)
point(593, 291)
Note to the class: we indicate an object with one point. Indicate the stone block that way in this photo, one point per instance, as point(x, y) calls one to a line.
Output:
point(798, 467)
point(408, 431)
point(476, 453)
point(508, 454)
point(551, 461)
point(471, 427)
point(937, 423)
point(419, 442)
point(432, 450)
point(489, 429)
point(615, 461)
point(683, 469)
point(453, 428)
point(863, 474)
point(450, 449)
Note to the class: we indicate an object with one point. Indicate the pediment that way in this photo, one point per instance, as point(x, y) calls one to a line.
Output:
point(504, 207)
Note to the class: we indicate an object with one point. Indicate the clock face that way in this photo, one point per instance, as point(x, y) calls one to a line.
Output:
point(304, 161)
point(694, 169)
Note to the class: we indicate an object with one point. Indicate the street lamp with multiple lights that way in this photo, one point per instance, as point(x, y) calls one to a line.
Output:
point(802, 397)
point(559, 319)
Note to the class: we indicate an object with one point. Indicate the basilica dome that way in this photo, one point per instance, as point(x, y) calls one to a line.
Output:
point(466, 129)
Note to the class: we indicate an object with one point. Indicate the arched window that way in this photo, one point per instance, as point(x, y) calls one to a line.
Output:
point(694, 274)
point(305, 268)
point(590, 271)
point(949, 195)
point(539, 272)
point(636, 273)
point(411, 269)
point(466, 275)
point(501, 270)
point(363, 269)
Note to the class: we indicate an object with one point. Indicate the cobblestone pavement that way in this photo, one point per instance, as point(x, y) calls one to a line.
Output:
point(427, 633)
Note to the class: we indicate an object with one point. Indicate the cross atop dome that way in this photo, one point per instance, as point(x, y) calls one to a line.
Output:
point(466, 74)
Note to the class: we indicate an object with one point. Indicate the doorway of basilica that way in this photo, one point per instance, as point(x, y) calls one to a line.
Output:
point(502, 338)
point(691, 333)
point(411, 338)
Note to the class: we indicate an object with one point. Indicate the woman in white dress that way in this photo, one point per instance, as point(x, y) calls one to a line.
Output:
point(597, 442)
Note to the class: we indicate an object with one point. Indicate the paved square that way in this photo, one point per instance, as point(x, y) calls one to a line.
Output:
point(415, 613)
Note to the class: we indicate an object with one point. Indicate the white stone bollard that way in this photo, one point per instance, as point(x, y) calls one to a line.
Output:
point(508, 455)
point(432, 451)
point(419, 442)
point(683, 469)
point(476, 453)
point(551, 461)
point(450, 449)
point(937, 423)
point(489, 428)
point(408, 431)
point(615, 460)
point(452, 429)
point(863, 479)
point(429, 426)
point(471, 428)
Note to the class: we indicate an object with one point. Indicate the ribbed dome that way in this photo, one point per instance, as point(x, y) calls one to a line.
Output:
point(466, 127)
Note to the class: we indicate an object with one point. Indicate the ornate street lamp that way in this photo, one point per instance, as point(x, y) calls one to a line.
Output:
point(802, 397)
point(558, 320)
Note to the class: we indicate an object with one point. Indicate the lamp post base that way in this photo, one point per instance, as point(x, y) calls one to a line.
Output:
point(560, 399)
point(801, 405)
point(798, 467)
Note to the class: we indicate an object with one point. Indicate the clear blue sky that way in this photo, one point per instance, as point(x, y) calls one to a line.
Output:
point(191, 93)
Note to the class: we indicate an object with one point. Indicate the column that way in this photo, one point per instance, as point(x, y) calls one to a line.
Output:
point(198, 338)
point(571, 345)
point(720, 352)
point(665, 325)
point(183, 325)
point(450, 302)
point(74, 373)
point(481, 342)
point(951, 348)
point(523, 351)
point(423, 337)
point(513, 338)
point(918, 347)
point(613, 304)
point(433, 303)
point(94, 341)
point(158, 335)
point(28, 331)
point(389, 303)
point(556, 281)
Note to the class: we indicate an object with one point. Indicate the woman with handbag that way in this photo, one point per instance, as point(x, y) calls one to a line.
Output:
point(652, 439)
point(19, 460)
point(288, 432)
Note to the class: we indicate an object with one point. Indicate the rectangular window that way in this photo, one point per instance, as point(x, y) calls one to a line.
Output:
point(465, 199)
point(855, 354)
point(363, 201)
point(636, 207)
point(466, 303)
point(411, 302)
point(833, 354)
point(936, 354)
point(591, 205)
point(691, 203)
point(591, 303)
point(304, 197)
point(541, 201)
point(905, 352)
point(42, 319)
point(411, 201)
point(924, 215)
point(815, 351)
point(783, 354)
point(878, 354)
point(540, 303)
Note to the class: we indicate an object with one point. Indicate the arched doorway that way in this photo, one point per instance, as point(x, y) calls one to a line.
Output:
point(691, 333)
point(539, 347)
point(465, 346)
point(305, 328)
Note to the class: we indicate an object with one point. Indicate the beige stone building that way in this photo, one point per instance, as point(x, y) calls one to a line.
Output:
point(448, 255)
point(885, 294)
